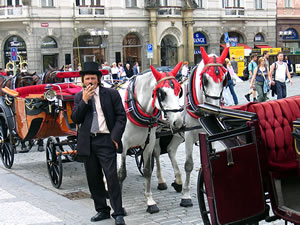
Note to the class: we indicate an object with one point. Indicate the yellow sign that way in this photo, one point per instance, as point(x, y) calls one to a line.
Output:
point(239, 54)
point(297, 68)
point(272, 51)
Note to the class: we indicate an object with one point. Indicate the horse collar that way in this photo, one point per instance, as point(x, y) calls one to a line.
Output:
point(135, 113)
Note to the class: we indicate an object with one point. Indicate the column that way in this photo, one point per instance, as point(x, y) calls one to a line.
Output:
point(190, 42)
point(153, 35)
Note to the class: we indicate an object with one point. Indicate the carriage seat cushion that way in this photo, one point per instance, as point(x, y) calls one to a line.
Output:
point(67, 90)
point(276, 126)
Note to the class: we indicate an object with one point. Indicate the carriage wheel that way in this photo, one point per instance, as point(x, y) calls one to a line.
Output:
point(54, 163)
point(202, 199)
point(139, 159)
point(6, 146)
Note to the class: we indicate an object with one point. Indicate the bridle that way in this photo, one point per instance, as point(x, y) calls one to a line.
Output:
point(161, 96)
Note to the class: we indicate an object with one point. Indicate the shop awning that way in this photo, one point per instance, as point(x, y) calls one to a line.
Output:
point(263, 46)
point(238, 45)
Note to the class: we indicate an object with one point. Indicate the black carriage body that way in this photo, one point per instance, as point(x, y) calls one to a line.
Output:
point(239, 180)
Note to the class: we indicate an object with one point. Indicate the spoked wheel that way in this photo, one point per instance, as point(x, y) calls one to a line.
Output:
point(6, 146)
point(54, 163)
point(202, 199)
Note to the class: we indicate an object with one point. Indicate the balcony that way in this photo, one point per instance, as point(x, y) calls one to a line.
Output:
point(169, 11)
point(234, 11)
point(89, 10)
point(13, 11)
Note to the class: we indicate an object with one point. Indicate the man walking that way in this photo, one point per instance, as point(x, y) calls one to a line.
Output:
point(234, 64)
point(101, 117)
point(280, 70)
point(266, 56)
point(136, 68)
point(251, 67)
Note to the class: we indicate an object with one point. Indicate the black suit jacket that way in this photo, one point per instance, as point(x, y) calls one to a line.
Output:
point(114, 114)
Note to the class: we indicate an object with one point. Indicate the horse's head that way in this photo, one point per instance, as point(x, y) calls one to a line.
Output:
point(212, 76)
point(28, 79)
point(166, 95)
point(50, 76)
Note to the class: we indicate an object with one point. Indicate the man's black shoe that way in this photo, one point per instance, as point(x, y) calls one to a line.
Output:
point(247, 96)
point(119, 220)
point(100, 216)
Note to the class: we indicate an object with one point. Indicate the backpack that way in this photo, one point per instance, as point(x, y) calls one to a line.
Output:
point(246, 73)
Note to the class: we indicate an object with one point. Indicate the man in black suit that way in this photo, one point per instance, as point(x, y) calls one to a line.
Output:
point(101, 117)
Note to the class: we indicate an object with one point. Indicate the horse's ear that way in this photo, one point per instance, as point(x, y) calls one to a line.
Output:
point(62, 68)
point(155, 73)
point(50, 67)
point(224, 55)
point(176, 69)
point(204, 55)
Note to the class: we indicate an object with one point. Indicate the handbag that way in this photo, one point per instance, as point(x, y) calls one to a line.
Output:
point(266, 85)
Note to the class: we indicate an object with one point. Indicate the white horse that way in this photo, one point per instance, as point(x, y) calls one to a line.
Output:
point(205, 84)
point(144, 98)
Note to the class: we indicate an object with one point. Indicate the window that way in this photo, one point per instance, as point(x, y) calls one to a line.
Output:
point(95, 2)
point(288, 3)
point(130, 3)
point(47, 3)
point(163, 2)
point(236, 3)
point(225, 3)
point(258, 4)
point(200, 4)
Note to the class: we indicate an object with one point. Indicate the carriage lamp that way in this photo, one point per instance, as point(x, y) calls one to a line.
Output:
point(50, 95)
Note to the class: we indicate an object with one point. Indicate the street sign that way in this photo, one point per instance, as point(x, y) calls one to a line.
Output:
point(149, 51)
point(14, 54)
point(226, 39)
point(234, 44)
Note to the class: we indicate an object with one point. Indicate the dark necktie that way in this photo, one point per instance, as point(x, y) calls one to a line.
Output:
point(95, 125)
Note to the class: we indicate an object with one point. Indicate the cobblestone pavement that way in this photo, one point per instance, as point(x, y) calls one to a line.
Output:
point(27, 196)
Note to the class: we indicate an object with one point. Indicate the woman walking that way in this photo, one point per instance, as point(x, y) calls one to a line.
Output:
point(260, 76)
point(231, 77)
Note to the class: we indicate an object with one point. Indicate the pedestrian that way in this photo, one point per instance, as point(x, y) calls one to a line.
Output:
point(266, 56)
point(106, 67)
point(121, 70)
point(2, 72)
point(234, 64)
point(128, 70)
point(231, 77)
point(280, 70)
point(115, 71)
point(251, 66)
point(288, 63)
point(260, 76)
point(185, 70)
point(136, 68)
point(100, 113)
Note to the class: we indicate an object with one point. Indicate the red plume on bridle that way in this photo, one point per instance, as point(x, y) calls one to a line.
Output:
point(167, 82)
point(215, 71)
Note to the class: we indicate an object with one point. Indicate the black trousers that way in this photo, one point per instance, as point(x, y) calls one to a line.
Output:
point(104, 156)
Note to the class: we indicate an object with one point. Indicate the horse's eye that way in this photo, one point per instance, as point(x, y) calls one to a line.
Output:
point(161, 94)
point(204, 80)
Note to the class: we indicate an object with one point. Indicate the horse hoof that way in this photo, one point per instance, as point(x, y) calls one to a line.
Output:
point(41, 148)
point(186, 203)
point(152, 209)
point(162, 186)
point(23, 150)
point(177, 187)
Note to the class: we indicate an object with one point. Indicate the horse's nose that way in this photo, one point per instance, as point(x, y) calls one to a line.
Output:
point(177, 124)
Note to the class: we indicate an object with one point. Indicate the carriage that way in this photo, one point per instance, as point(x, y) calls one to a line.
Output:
point(37, 112)
point(250, 163)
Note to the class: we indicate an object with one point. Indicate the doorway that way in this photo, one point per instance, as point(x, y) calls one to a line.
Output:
point(169, 51)
point(50, 60)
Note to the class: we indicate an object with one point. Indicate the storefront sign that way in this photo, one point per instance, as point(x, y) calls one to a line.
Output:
point(197, 52)
point(44, 24)
point(272, 51)
point(293, 36)
point(238, 53)
point(199, 39)
point(297, 68)
point(49, 42)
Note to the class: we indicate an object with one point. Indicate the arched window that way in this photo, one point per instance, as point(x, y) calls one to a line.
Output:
point(18, 43)
point(48, 42)
point(259, 38)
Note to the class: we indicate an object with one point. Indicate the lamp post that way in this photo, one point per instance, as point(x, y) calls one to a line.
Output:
point(284, 34)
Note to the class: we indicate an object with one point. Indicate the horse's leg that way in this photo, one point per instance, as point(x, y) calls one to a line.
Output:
point(186, 200)
point(23, 147)
point(147, 155)
point(172, 150)
point(161, 181)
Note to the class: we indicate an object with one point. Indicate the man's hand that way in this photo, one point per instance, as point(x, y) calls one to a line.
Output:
point(291, 81)
point(88, 93)
point(116, 143)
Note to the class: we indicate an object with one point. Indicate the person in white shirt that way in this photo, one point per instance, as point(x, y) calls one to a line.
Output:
point(185, 69)
point(115, 71)
point(280, 70)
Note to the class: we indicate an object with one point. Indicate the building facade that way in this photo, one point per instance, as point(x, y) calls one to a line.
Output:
point(56, 33)
point(288, 25)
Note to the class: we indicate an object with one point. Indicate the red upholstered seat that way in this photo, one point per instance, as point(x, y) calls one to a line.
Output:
point(67, 89)
point(276, 124)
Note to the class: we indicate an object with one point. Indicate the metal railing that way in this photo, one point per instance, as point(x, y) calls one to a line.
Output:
point(234, 11)
point(89, 10)
point(13, 11)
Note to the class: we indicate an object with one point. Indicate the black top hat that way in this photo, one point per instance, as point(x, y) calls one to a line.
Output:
point(90, 68)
